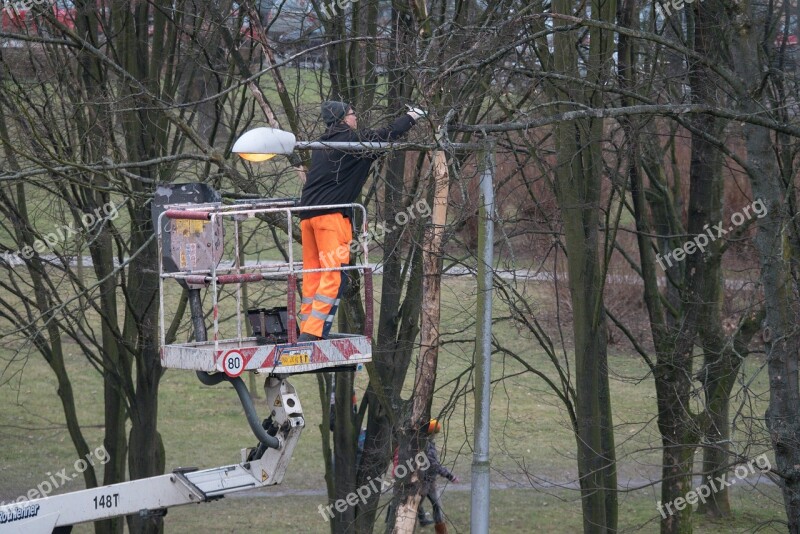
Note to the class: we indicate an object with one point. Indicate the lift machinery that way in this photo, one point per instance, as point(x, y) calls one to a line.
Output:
point(191, 224)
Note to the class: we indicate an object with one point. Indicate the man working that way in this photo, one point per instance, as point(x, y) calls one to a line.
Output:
point(435, 469)
point(335, 177)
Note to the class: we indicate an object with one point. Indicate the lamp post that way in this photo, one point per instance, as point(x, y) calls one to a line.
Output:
point(479, 513)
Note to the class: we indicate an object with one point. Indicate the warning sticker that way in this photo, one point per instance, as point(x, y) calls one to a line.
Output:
point(264, 476)
point(189, 226)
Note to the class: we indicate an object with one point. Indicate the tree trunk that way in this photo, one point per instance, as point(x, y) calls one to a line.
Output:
point(398, 319)
point(398, 326)
point(146, 456)
point(116, 374)
point(780, 326)
point(577, 184)
point(409, 489)
point(344, 451)
point(116, 366)
point(774, 244)
point(720, 366)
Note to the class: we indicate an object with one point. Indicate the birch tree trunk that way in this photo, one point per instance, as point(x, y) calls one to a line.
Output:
point(412, 440)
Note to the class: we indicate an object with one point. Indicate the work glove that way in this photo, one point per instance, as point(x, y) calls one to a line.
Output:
point(415, 113)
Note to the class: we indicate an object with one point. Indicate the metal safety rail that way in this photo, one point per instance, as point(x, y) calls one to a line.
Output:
point(196, 243)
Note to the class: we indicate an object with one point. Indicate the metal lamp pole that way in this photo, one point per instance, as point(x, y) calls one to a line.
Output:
point(479, 514)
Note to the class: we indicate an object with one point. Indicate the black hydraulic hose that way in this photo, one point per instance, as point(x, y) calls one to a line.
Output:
point(247, 403)
point(211, 380)
point(252, 416)
point(200, 334)
point(196, 310)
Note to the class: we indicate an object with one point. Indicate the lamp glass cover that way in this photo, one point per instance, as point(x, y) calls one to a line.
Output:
point(256, 158)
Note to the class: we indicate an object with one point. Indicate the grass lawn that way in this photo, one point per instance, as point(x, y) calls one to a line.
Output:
point(533, 448)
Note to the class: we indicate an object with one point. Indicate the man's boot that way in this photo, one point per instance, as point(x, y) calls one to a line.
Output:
point(424, 519)
point(441, 528)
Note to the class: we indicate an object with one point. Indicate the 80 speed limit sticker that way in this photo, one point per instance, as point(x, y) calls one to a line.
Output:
point(233, 363)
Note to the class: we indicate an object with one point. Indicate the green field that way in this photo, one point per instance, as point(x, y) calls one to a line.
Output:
point(533, 448)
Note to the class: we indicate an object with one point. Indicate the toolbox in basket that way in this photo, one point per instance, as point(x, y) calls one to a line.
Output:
point(271, 324)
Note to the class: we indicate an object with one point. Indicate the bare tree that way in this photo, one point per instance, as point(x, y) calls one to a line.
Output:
point(95, 115)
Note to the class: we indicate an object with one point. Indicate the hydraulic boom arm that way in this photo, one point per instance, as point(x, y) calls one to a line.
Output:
point(259, 467)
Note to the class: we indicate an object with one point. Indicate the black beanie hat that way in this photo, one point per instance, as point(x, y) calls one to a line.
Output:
point(333, 112)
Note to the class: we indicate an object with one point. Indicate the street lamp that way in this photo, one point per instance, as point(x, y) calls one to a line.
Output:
point(262, 144)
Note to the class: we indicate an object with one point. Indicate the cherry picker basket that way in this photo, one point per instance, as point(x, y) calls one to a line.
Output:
point(191, 243)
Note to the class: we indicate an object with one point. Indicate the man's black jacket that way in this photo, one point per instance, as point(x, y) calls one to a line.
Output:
point(337, 177)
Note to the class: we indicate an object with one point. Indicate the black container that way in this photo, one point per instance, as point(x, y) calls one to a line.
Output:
point(270, 325)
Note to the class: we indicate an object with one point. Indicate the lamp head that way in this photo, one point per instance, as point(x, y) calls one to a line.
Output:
point(262, 144)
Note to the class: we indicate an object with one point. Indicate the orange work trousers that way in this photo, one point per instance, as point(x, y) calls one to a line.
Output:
point(326, 244)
